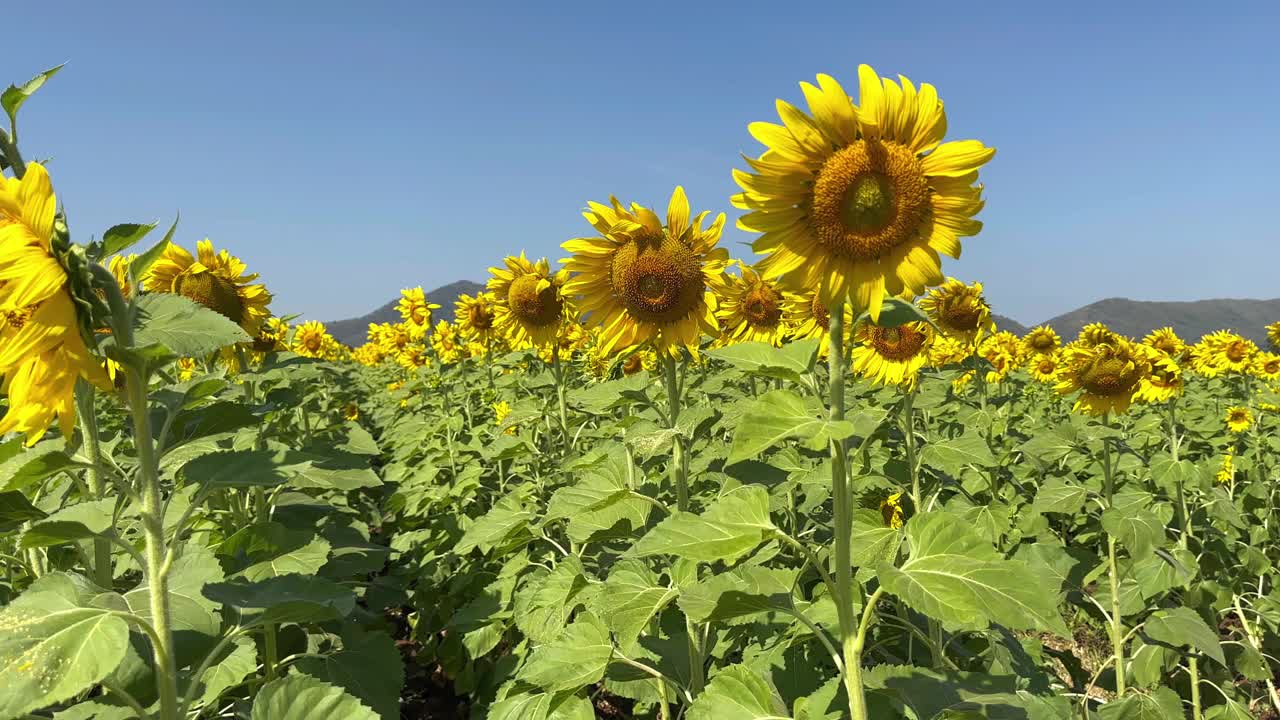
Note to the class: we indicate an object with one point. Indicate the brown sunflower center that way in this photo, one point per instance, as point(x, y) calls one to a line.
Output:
point(1042, 342)
point(480, 316)
point(1047, 367)
point(1237, 351)
point(533, 306)
point(658, 281)
point(313, 342)
point(1110, 376)
point(216, 293)
point(633, 364)
point(962, 316)
point(869, 198)
point(761, 307)
point(897, 343)
point(820, 312)
point(420, 315)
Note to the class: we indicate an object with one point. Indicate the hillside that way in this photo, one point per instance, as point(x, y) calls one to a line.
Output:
point(1190, 320)
point(353, 331)
point(1008, 323)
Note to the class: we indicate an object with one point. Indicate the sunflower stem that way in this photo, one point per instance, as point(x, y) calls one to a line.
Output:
point(9, 147)
point(557, 371)
point(102, 569)
point(1113, 569)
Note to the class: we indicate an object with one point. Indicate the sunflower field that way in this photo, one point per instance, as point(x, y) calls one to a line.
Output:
point(648, 480)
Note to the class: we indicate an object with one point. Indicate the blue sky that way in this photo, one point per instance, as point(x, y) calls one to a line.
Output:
point(346, 150)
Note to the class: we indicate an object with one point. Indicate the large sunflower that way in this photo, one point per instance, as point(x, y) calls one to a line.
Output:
point(416, 311)
point(217, 280)
point(752, 308)
point(41, 349)
point(1107, 375)
point(892, 355)
point(1162, 384)
point(474, 316)
point(959, 310)
point(530, 308)
point(1239, 419)
point(1223, 352)
point(1266, 365)
point(1041, 340)
point(859, 202)
point(642, 280)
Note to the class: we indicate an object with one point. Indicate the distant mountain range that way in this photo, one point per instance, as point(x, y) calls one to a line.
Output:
point(1134, 318)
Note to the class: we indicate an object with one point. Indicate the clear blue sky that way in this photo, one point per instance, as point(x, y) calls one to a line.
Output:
point(346, 150)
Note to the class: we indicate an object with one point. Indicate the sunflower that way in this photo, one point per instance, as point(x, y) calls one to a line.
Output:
point(752, 308)
point(892, 355)
point(1044, 367)
point(1166, 341)
point(1239, 419)
point(1003, 342)
point(529, 305)
point(639, 359)
point(1095, 334)
point(272, 336)
point(500, 412)
point(1273, 334)
point(1223, 352)
point(351, 412)
point(216, 280)
point(1041, 340)
point(311, 339)
point(893, 510)
point(368, 354)
point(474, 316)
point(413, 356)
point(186, 369)
point(119, 267)
point(948, 351)
point(1002, 363)
point(416, 311)
point(1107, 374)
point(1227, 471)
point(42, 352)
point(959, 310)
point(1163, 383)
point(446, 343)
point(859, 202)
point(1265, 365)
point(572, 340)
point(642, 280)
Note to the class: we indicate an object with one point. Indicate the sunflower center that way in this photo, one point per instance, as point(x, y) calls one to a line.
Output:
point(312, 342)
point(1046, 367)
point(533, 306)
point(868, 199)
point(761, 307)
point(632, 364)
point(1110, 376)
point(820, 312)
point(1237, 351)
point(1042, 342)
point(897, 343)
point(658, 281)
point(480, 316)
point(216, 293)
point(418, 315)
point(962, 316)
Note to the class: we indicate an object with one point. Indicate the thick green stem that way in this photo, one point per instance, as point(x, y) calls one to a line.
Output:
point(1113, 569)
point(1193, 670)
point(102, 569)
point(157, 571)
point(853, 660)
point(9, 148)
point(680, 479)
point(909, 437)
point(562, 405)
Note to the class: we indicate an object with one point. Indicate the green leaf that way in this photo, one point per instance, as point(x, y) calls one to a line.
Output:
point(1160, 705)
point(185, 328)
point(141, 264)
point(954, 454)
point(1060, 496)
point(1231, 711)
point(31, 466)
point(778, 415)
point(738, 693)
point(16, 509)
point(368, 666)
point(270, 549)
point(236, 468)
point(1183, 627)
point(75, 522)
point(96, 711)
point(1135, 527)
point(955, 576)
point(740, 592)
point(542, 706)
point(188, 607)
point(576, 659)
point(505, 519)
point(302, 697)
point(733, 526)
point(894, 312)
point(235, 665)
point(871, 542)
point(632, 596)
point(15, 95)
point(287, 598)
point(51, 649)
point(789, 362)
point(119, 238)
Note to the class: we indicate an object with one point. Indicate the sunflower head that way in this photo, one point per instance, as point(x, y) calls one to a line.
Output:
point(1273, 335)
point(351, 412)
point(475, 317)
point(1223, 352)
point(959, 310)
point(415, 310)
point(1106, 374)
point(1266, 365)
point(1095, 334)
point(1166, 341)
point(1044, 367)
point(529, 305)
point(214, 279)
point(753, 309)
point(1163, 383)
point(1042, 340)
point(1227, 470)
point(895, 509)
point(1239, 419)
point(859, 202)
point(312, 339)
point(892, 355)
point(643, 280)
point(947, 350)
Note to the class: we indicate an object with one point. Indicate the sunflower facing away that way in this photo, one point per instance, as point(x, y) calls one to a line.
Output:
point(752, 308)
point(530, 308)
point(1106, 375)
point(41, 349)
point(861, 201)
point(642, 280)
point(1162, 384)
point(416, 311)
point(892, 355)
point(1239, 419)
point(474, 316)
point(1095, 334)
point(217, 280)
point(1227, 471)
point(959, 310)
point(1041, 340)
point(947, 351)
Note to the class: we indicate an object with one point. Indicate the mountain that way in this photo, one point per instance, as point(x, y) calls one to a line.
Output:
point(1190, 320)
point(1008, 323)
point(353, 331)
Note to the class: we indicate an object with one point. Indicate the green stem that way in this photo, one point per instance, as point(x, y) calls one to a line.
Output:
point(679, 476)
point(102, 569)
point(853, 660)
point(557, 370)
point(9, 148)
point(1113, 569)
point(909, 436)
point(1184, 515)
point(1193, 669)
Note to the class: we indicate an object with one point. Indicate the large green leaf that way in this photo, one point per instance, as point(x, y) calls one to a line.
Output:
point(235, 664)
point(542, 706)
point(1160, 705)
point(508, 517)
point(270, 549)
point(740, 592)
point(1138, 529)
point(368, 666)
point(1181, 626)
point(632, 596)
point(1060, 496)
point(16, 509)
point(189, 608)
point(781, 414)
point(236, 468)
point(302, 697)
point(789, 362)
point(15, 95)
point(576, 659)
point(957, 577)
point(119, 238)
point(75, 522)
point(287, 598)
point(51, 649)
point(734, 525)
point(185, 328)
point(31, 466)
point(738, 693)
point(954, 454)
